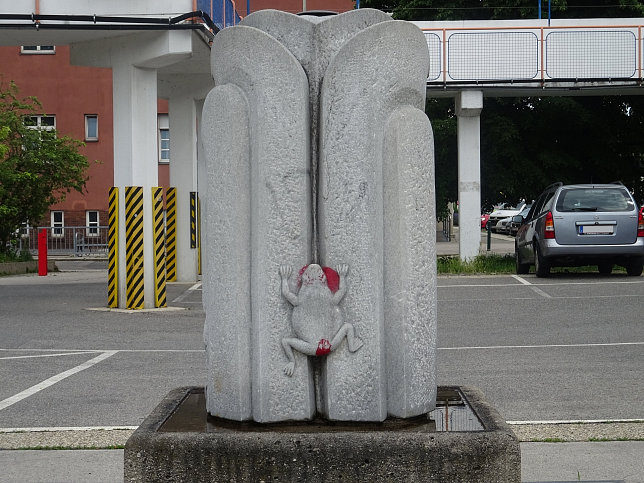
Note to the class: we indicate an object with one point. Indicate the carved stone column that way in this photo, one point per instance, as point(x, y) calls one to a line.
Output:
point(320, 157)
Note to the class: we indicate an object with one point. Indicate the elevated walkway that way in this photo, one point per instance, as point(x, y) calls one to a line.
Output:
point(526, 57)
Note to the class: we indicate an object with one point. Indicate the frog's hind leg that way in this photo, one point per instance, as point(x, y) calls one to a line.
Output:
point(288, 344)
point(347, 331)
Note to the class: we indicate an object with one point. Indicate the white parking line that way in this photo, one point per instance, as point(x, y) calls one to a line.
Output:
point(94, 351)
point(477, 285)
point(187, 293)
point(10, 401)
point(541, 284)
point(521, 279)
point(578, 421)
point(536, 290)
point(541, 346)
point(53, 429)
point(47, 355)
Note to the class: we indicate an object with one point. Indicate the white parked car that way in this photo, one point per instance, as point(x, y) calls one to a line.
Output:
point(505, 212)
point(503, 225)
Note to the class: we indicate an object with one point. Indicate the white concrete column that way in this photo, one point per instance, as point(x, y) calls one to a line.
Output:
point(468, 109)
point(183, 176)
point(135, 159)
point(134, 60)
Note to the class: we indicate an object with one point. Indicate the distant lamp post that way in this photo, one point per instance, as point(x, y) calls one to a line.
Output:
point(549, 11)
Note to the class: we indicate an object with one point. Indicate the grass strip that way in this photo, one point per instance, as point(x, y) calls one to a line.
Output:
point(494, 264)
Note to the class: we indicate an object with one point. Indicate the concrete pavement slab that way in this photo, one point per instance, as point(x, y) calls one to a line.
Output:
point(33, 466)
point(617, 461)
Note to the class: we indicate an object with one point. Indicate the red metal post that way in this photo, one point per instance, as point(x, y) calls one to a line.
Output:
point(42, 252)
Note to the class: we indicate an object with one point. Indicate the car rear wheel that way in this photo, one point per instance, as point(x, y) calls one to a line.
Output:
point(522, 268)
point(541, 265)
point(634, 269)
point(605, 268)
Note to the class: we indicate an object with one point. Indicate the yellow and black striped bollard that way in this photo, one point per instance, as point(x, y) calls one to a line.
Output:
point(158, 230)
point(193, 219)
point(171, 234)
point(134, 273)
point(112, 245)
point(198, 234)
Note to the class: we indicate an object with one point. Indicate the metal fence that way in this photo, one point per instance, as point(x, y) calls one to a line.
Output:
point(222, 12)
point(447, 226)
point(80, 241)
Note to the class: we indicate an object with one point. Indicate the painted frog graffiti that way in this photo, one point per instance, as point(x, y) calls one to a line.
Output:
point(316, 319)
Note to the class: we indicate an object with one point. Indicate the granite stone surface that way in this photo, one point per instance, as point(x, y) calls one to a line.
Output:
point(319, 154)
point(379, 70)
point(226, 254)
point(409, 263)
point(278, 207)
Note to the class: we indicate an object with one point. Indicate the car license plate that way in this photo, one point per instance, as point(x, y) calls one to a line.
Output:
point(595, 229)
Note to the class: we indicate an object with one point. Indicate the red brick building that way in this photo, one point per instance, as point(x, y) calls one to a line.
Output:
point(77, 101)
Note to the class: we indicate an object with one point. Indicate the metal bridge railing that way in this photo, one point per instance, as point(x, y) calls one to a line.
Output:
point(534, 54)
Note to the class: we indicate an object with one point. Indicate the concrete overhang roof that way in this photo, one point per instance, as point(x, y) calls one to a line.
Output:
point(84, 34)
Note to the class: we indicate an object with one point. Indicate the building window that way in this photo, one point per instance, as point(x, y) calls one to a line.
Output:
point(164, 138)
point(38, 49)
point(57, 223)
point(91, 221)
point(91, 127)
point(45, 123)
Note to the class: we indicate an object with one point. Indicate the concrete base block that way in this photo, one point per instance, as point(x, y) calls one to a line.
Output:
point(180, 442)
point(14, 268)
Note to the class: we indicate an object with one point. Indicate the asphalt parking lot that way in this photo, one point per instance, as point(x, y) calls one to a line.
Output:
point(544, 351)
point(563, 348)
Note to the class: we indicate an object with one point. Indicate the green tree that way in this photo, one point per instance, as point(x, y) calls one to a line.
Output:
point(37, 167)
point(441, 113)
point(505, 9)
point(528, 143)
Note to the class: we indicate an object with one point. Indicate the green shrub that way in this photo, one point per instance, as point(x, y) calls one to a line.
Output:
point(11, 256)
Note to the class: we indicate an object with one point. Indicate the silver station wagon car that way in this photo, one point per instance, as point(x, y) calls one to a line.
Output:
point(585, 224)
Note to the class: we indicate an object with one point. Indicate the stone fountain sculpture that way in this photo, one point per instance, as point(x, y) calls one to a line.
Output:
point(319, 271)
point(319, 264)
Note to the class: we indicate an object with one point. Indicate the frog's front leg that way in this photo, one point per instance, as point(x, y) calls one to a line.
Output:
point(342, 270)
point(285, 273)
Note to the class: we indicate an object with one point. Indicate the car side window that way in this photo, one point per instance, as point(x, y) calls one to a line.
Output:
point(536, 207)
point(528, 217)
point(547, 205)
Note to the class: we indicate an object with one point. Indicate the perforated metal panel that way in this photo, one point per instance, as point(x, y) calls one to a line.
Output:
point(591, 54)
point(492, 55)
